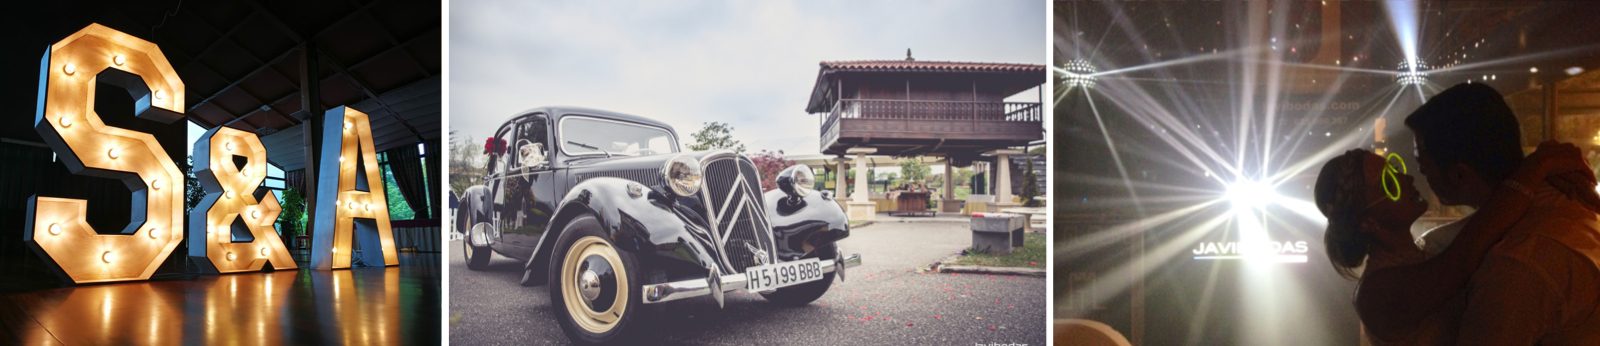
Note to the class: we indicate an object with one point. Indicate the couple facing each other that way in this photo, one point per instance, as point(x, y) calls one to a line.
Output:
point(1523, 269)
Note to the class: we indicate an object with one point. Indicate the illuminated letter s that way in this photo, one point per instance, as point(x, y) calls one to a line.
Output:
point(56, 228)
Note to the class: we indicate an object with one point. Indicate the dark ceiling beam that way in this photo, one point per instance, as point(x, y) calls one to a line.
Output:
point(275, 21)
point(397, 44)
point(362, 86)
point(292, 34)
point(246, 77)
point(357, 65)
point(225, 36)
point(228, 36)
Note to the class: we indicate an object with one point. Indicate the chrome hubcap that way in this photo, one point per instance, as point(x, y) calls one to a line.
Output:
point(589, 285)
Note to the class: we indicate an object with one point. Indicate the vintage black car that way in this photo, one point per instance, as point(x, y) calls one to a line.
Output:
point(603, 207)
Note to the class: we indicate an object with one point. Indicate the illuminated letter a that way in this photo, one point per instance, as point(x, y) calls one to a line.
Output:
point(347, 174)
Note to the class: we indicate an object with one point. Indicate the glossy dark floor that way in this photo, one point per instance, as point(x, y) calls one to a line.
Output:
point(360, 306)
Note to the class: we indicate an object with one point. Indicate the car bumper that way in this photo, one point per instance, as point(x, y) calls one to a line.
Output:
point(671, 291)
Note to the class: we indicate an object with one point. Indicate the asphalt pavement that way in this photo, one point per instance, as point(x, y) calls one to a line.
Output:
point(885, 301)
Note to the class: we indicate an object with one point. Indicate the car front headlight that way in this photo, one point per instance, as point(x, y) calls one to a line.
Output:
point(683, 175)
point(796, 180)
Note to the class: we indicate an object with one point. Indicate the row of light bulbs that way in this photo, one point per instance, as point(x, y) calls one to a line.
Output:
point(352, 206)
point(114, 153)
point(72, 69)
point(108, 256)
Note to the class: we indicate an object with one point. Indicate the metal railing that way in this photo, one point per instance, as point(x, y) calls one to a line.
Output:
point(927, 110)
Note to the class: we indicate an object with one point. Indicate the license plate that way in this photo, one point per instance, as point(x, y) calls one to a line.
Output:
point(761, 278)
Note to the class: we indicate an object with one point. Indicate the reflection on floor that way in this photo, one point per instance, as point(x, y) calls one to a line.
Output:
point(360, 306)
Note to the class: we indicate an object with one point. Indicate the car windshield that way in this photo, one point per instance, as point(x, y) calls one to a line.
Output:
point(587, 136)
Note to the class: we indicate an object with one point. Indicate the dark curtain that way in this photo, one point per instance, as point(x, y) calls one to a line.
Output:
point(296, 179)
point(434, 161)
point(406, 164)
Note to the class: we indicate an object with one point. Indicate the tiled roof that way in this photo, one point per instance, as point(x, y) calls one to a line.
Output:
point(928, 66)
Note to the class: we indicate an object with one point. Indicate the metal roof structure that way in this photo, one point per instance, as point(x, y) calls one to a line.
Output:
point(240, 61)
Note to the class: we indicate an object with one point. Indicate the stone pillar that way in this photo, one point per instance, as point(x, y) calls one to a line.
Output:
point(948, 203)
point(863, 190)
point(839, 183)
point(861, 206)
point(1002, 176)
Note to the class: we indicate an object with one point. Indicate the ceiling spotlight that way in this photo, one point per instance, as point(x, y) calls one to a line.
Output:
point(263, 251)
point(255, 214)
point(70, 69)
point(228, 145)
point(1412, 72)
point(230, 256)
point(113, 153)
point(156, 184)
point(107, 257)
point(118, 60)
point(1079, 73)
point(1573, 71)
point(160, 94)
point(152, 233)
point(1533, 70)
point(55, 229)
point(66, 122)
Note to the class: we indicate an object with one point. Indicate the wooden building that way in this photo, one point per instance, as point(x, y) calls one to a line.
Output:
point(908, 108)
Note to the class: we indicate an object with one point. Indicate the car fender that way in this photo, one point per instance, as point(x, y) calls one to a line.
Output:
point(802, 224)
point(474, 206)
point(646, 221)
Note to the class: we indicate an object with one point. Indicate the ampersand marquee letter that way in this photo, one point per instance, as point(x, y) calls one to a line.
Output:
point(56, 228)
point(348, 172)
point(235, 165)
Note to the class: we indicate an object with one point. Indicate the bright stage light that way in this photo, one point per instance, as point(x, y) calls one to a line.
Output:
point(1079, 73)
point(1246, 193)
point(1412, 72)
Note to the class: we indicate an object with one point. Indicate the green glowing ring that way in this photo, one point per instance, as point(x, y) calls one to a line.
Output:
point(1396, 157)
point(1389, 176)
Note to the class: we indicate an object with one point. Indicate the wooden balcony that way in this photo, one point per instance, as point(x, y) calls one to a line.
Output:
point(915, 127)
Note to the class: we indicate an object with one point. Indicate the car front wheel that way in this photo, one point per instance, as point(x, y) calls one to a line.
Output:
point(477, 256)
point(594, 286)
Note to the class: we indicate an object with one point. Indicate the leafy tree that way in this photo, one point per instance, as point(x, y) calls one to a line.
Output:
point(1030, 188)
point(1039, 150)
point(466, 164)
point(769, 164)
point(192, 192)
point(961, 176)
point(715, 135)
point(398, 208)
point(913, 169)
point(292, 220)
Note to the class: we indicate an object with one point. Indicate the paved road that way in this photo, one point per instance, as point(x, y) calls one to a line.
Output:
point(489, 308)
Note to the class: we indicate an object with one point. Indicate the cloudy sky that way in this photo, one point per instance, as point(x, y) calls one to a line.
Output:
point(751, 64)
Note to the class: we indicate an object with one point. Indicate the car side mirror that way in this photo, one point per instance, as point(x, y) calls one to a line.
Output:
point(530, 154)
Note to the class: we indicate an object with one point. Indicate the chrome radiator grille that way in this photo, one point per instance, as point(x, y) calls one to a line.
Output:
point(738, 212)
point(648, 177)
